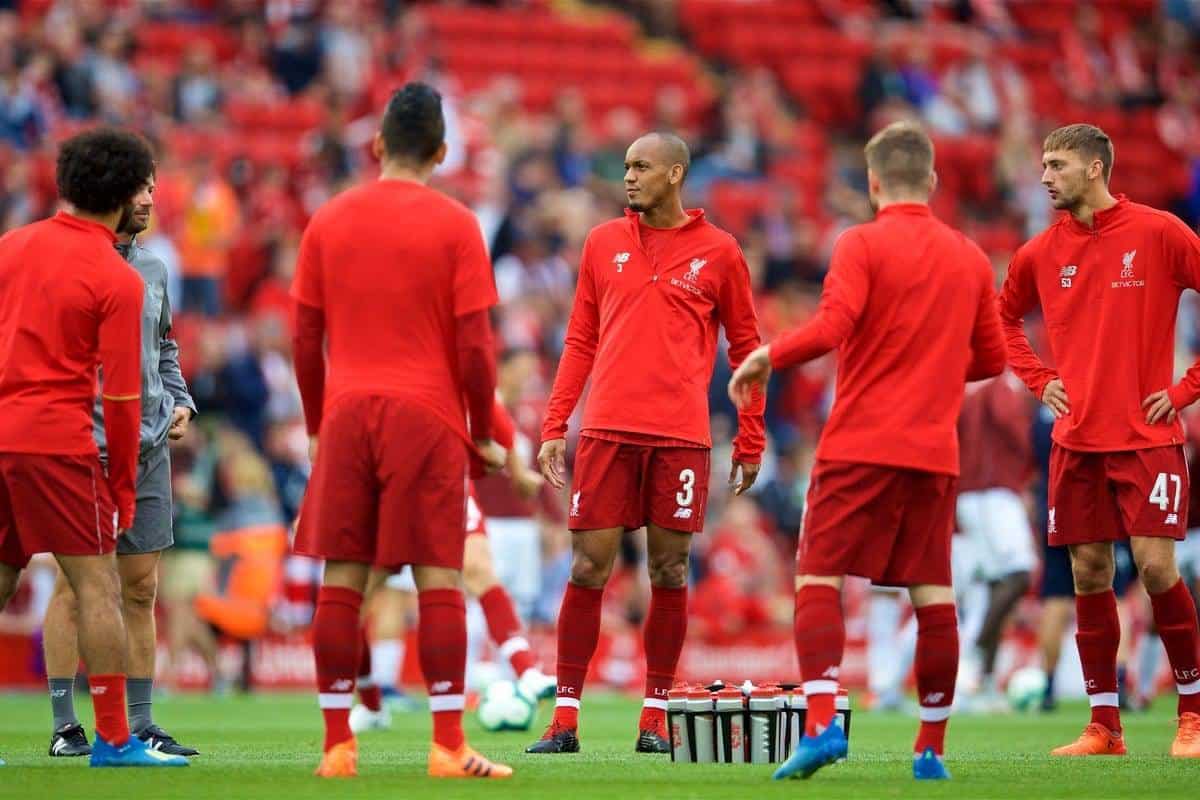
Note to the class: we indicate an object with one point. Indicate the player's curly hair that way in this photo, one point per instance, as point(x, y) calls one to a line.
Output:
point(100, 170)
point(413, 126)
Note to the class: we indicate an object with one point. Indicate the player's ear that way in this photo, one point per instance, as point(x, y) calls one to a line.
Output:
point(377, 148)
point(440, 155)
point(675, 176)
point(933, 181)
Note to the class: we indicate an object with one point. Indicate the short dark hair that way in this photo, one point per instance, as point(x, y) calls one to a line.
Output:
point(1087, 140)
point(100, 170)
point(413, 126)
point(901, 155)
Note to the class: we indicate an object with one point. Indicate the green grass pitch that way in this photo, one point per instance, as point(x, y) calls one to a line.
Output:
point(265, 747)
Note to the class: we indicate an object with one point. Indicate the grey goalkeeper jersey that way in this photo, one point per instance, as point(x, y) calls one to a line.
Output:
point(163, 386)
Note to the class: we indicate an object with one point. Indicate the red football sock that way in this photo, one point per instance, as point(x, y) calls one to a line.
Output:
point(442, 643)
point(1175, 618)
point(336, 641)
point(368, 692)
point(662, 638)
point(578, 633)
point(937, 671)
point(1099, 633)
point(108, 702)
point(505, 629)
point(820, 630)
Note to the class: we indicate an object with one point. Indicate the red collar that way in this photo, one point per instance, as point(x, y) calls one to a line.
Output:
point(63, 218)
point(907, 209)
point(1101, 219)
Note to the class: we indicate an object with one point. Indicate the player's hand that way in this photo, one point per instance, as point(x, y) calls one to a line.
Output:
point(494, 456)
point(754, 371)
point(1055, 396)
point(749, 475)
point(552, 458)
point(312, 449)
point(1158, 408)
point(180, 418)
point(526, 482)
point(122, 531)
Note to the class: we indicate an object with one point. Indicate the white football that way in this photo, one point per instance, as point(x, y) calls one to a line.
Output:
point(1025, 688)
point(504, 708)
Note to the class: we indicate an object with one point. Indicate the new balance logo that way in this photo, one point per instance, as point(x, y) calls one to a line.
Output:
point(1172, 519)
point(575, 504)
point(620, 260)
point(1050, 526)
point(933, 698)
point(830, 672)
point(441, 687)
point(58, 693)
point(1066, 274)
point(99, 690)
point(693, 273)
point(341, 685)
point(683, 513)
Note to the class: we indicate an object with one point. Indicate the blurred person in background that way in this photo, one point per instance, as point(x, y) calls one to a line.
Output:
point(166, 411)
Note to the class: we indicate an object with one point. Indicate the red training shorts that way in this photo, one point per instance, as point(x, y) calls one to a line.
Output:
point(389, 487)
point(618, 485)
point(889, 524)
point(1103, 497)
point(54, 504)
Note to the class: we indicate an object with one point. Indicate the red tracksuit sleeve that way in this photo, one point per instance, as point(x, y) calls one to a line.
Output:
point(842, 302)
point(736, 310)
point(120, 351)
point(988, 353)
point(579, 351)
point(308, 357)
point(477, 369)
point(1017, 298)
point(1181, 247)
point(504, 430)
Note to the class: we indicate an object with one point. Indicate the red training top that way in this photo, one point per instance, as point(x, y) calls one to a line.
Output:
point(644, 327)
point(1109, 295)
point(909, 303)
point(397, 270)
point(995, 435)
point(67, 302)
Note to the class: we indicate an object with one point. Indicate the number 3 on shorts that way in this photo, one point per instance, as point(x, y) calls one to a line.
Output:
point(687, 480)
point(1158, 495)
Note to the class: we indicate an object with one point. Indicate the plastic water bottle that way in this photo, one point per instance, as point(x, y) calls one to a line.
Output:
point(701, 725)
point(731, 727)
point(681, 743)
point(763, 725)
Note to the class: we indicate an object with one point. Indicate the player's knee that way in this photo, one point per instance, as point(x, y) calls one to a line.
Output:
point(139, 593)
point(669, 571)
point(1091, 575)
point(1158, 574)
point(477, 578)
point(588, 572)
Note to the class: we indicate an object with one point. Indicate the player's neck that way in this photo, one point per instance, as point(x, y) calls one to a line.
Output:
point(403, 171)
point(883, 201)
point(124, 238)
point(1085, 214)
point(109, 221)
point(669, 215)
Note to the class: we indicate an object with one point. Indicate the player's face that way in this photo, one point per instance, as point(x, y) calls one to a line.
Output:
point(1065, 176)
point(647, 177)
point(136, 217)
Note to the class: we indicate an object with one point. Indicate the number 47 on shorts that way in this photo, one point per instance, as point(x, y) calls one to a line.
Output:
point(1160, 496)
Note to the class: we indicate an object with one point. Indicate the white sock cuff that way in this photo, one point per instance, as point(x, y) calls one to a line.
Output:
point(820, 687)
point(1103, 699)
point(514, 645)
point(1188, 688)
point(446, 702)
point(653, 702)
point(567, 702)
point(335, 699)
point(934, 713)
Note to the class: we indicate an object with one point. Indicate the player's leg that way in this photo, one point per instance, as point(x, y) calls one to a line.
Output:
point(664, 631)
point(504, 626)
point(60, 647)
point(936, 666)
point(336, 641)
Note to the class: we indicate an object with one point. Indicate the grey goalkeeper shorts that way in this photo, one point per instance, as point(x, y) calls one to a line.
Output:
point(153, 528)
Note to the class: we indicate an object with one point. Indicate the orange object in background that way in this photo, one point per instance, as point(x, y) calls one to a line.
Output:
point(252, 572)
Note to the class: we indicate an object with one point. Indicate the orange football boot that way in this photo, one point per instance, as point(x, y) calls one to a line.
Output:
point(1187, 741)
point(1096, 740)
point(463, 763)
point(340, 761)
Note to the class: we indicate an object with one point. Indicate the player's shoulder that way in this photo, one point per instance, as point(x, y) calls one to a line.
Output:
point(1040, 243)
point(718, 237)
point(1158, 219)
point(147, 261)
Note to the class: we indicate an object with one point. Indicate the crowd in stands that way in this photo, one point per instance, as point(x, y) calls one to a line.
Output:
point(260, 111)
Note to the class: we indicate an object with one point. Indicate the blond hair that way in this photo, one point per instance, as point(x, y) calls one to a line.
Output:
point(1087, 140)
point(901, 155)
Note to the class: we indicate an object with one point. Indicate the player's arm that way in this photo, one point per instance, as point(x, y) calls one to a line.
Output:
point(736, 311)
point(308, 330)
point(120, 352)
point(843, 298)
point(1181, 248)
point(1018, 297)
point(172, 375)
point(527, 482)
point(579, 353)
point(474, 295)
point(988, 351)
